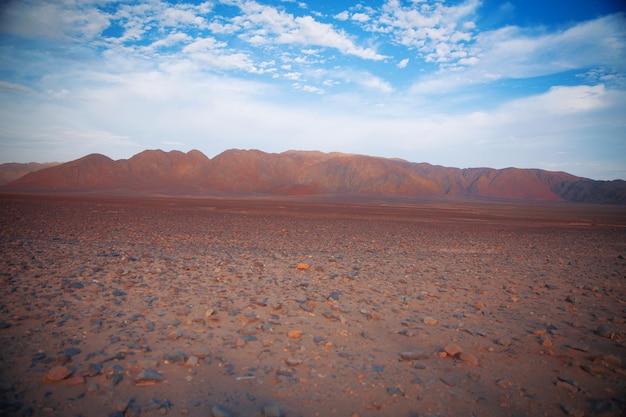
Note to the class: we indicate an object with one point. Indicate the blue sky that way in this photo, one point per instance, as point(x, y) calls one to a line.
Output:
point(474, 83)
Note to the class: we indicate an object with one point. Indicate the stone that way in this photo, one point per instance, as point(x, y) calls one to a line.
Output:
point(505, 341)
point(57, 374)
point(293, 361)
point(468, 358)
point(147, 377)
point(572, 411)
point(192, 361)
point(302, 266)
point(604, 330)
point(453, 350)
point(75, 381)
point(294, 334)
point(271, 410)
point(429, 321)
point(220, 411)
point(414, 355)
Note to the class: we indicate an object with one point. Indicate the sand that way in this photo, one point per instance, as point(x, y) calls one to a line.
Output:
point(120, 306)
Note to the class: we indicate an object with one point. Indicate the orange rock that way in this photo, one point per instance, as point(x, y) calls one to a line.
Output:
point(74, 381)
point(453, 350)
point(58, 373)
point(468, 358)
point(302, 266)
point(294, 334)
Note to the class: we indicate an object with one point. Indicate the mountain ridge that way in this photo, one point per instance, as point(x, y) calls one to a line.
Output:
point(293, 172)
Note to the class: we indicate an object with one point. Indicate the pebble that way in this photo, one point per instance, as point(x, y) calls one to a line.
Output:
point(505, 341)
point(148, 376)
point(271, 410)
point(429, 321)
point(414, 355)
point(58, 373)
point(468, 358)
point(453, 350)
point(604, 330)
point(220, 411)
point(572, 411)
point(294, 334)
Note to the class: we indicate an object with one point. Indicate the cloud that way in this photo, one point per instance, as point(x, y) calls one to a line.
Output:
point(403, 63)
point(266, 24)
point(51, 20)
point(439, 33)
point(516, 53)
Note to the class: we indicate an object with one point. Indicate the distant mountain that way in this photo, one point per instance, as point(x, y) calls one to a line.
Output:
point(13, 170)
point(245, 172)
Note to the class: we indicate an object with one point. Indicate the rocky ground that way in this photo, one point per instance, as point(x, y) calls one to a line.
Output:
point(140, 307)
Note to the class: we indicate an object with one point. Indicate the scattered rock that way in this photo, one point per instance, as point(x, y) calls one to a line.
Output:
point(414, 355)
point(220, 411)
point(468, 358)
point(453, 350)
point(148, 377)
point(294, 334)
point(57, 374)
point(429, 321)
point(271, 410)
point(604, 330)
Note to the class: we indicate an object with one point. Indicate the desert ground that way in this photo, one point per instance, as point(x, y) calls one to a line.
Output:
point(136, 306)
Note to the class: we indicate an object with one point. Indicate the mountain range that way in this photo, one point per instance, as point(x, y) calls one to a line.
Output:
point(253, 172)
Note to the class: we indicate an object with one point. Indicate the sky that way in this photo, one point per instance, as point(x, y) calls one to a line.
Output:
point(471, 83)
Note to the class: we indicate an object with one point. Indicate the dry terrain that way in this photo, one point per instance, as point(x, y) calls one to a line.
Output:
point(117, 306)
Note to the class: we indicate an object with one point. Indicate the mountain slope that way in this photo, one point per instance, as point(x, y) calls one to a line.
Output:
point(13, 170)
point(308, 172)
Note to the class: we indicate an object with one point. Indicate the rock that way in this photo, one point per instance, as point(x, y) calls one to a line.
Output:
point(612, 360)
point(302, 266)
point(604, 330)
point(572, 411)
point(293, 361)
point(294, 334)
point(148, 377)
point(453, 350)
point(414, 355)
point(74, 381)
point(271, 410)
point(58, 373)
point(220, 411)
point(468, 358)
point(429, 321)
point(176, 334)
point(505, 341)
point(192, 361)
point(546, 342)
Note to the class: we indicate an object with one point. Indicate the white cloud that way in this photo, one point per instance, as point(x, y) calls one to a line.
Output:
point(260, 22)
point(403, 63)
point(360, 17)
point(439, 33)
point(343, 16)
point(51, 20)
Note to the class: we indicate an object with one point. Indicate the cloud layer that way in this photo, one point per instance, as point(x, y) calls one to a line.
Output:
point(418, 80)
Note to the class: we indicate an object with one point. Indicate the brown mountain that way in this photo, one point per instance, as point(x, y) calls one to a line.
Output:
point(13, 170)
point(304, 172)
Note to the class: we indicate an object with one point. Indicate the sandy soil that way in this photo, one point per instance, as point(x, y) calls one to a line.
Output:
point(200, 307)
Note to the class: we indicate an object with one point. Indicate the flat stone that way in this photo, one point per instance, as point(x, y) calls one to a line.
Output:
point(453, 350)
point(468, 358)
point(58, 373)
point(414, 355)
point(148, 376)
point(220, 411)
point(271, 410)
point(430, 321)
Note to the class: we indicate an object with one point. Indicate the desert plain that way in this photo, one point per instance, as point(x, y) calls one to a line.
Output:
point(141, 306)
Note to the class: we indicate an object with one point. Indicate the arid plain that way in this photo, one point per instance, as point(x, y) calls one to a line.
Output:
point(121, 306)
